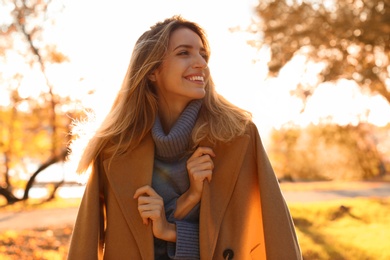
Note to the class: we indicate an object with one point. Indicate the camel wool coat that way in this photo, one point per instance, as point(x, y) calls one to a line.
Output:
point(243, 214)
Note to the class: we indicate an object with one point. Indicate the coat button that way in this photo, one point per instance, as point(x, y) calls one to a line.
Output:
point(228, 254)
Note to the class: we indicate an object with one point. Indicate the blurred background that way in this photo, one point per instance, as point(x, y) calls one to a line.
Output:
point(314, 74)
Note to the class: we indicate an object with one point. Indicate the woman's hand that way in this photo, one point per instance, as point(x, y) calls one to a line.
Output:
point(200, 168)
point(151, 207)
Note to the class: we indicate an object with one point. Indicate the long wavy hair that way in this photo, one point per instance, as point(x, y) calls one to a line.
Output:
point(134, 110)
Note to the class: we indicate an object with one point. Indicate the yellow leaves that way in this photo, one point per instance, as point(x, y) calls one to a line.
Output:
point(54, 56)
point(50, 244)
point(57, 57)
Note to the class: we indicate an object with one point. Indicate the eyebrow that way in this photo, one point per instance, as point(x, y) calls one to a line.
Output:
point(187, 46)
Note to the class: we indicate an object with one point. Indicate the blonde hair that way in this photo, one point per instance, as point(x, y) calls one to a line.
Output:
point(135, 107)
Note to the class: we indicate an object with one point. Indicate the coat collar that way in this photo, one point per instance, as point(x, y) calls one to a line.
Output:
point(135, 168)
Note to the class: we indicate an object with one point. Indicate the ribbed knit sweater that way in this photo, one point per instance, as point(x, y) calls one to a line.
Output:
point(170, 180)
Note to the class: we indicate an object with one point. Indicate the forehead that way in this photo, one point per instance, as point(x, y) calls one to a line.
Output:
point(186, 37)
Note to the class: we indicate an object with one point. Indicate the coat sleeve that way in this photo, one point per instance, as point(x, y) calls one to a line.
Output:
point(279, 232)
point(85, 237)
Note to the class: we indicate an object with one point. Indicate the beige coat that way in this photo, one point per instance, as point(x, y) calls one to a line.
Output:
point(242, 209)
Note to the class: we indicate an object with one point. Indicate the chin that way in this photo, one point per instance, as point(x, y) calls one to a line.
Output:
point(200, 94)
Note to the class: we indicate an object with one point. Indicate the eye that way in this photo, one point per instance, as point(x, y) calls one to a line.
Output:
point(182, 53)
point(205, 56)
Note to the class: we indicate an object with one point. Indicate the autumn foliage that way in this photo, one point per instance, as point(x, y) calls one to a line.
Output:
point(330, 152)
point(351, 39)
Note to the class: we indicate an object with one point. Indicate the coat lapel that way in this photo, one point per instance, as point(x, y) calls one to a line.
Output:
point(134, 169)
point(126, 174)
point(216, 194)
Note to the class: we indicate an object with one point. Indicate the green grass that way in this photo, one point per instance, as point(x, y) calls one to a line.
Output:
point(349, 229)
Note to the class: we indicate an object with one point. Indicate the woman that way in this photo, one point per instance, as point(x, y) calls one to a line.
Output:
point(177, 171)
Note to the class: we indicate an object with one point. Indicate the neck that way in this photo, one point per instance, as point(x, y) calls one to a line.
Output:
point(176, 142)
point(169, 113)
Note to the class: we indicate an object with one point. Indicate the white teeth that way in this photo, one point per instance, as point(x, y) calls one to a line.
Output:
point(196, 78)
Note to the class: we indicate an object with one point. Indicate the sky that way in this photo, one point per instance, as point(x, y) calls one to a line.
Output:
point(105, 35)
point(98, 37)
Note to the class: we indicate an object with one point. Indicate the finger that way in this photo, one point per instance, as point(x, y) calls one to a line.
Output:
point(150, 215)
point(202, 175)
point(200, 165)
point(143, 209)
point(200, 160)
point(145, 221)
point(149, 211)
point(146, 200)
point(202, 150)
point(145, 190)
point(203, 158)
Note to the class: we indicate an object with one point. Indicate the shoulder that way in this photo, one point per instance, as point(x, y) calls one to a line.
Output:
point(255, 138)
point(252, 130)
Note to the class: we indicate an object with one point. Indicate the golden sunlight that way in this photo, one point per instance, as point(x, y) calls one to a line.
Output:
point(98, 38)
point(99, 42)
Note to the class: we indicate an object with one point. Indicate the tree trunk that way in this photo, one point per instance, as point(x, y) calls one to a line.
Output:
point(53, 192)
point(54, 159)
point(8, 195)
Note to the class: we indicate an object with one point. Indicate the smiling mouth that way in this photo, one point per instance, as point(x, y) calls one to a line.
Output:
point(198, 79)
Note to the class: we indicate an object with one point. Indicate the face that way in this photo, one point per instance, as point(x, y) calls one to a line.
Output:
point(183, 74)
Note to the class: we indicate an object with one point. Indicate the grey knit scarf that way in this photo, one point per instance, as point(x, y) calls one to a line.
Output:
point(173, 146)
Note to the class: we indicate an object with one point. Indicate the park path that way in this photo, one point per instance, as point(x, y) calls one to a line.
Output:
point(345, 191)
point(41, 218)
point(66, 216)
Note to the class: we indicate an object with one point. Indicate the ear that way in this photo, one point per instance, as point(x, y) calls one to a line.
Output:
point(152, 76)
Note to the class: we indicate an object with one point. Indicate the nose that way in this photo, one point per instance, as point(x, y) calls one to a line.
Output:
point(200, 62)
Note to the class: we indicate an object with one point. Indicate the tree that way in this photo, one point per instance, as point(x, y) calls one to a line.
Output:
point(350, 38)
point(327, 152)
point(36, 127)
